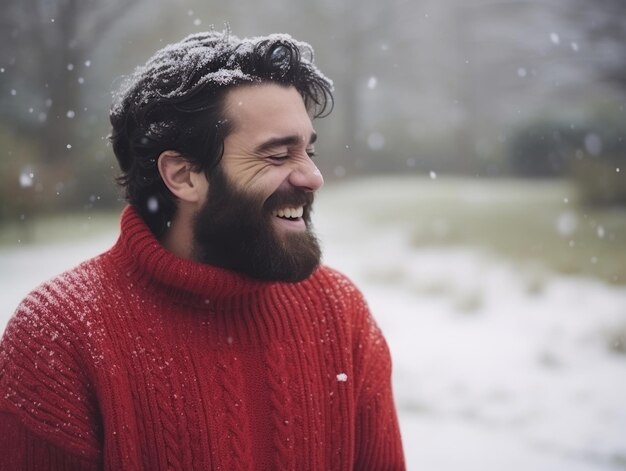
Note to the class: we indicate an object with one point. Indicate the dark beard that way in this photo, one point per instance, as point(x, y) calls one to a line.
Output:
point(234, 230)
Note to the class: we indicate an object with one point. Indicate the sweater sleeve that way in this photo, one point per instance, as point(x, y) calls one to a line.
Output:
point(378, 441)
point(20, 449)
point(48, 414)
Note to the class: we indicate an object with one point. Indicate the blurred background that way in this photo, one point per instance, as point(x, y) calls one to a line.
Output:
point(475, 165)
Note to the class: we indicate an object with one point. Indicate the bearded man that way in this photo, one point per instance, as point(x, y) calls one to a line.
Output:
point(209, 336)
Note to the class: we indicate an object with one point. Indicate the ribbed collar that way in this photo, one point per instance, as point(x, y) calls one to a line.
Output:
point(144, 259)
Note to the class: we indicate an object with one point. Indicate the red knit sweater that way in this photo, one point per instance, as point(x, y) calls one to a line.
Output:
point(140, 360)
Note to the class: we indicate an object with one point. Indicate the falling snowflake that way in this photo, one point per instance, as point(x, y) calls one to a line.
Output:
point(26, 179)
point(555, 38)
point(339, 171)
point(567, 223)
point(342, 377)
point(376, 141)
point(153, 204)
point(593, 144)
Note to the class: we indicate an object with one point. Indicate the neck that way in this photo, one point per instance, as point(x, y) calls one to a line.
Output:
point(179, 237)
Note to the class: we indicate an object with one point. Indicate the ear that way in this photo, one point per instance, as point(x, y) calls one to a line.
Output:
point(179, 176)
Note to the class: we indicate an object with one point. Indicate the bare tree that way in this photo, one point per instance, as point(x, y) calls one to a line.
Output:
point(603, 24)
point(46, 47)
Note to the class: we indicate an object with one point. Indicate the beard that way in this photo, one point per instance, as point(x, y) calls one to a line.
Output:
point(235, 230)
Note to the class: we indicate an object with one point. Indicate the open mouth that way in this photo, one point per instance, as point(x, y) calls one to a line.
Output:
point(290, 215)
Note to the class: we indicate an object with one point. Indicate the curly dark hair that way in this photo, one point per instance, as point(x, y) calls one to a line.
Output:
point(175, 102)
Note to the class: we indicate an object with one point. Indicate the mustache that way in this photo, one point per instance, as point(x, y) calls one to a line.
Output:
point(289, 197)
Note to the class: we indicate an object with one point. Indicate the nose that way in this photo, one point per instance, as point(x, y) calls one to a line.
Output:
point(306, 175)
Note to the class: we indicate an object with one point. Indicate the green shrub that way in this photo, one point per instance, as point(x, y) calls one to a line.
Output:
point(593, 154)
point(541, 149)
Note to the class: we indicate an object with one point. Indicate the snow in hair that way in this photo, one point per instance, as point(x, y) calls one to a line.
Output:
point(208, 58)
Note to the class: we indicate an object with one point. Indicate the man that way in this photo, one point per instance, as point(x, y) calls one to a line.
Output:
point(208, 337)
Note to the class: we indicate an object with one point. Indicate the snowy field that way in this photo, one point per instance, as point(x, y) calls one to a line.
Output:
point(496, 367)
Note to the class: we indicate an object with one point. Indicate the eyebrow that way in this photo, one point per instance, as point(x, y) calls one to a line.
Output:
point(282, 141)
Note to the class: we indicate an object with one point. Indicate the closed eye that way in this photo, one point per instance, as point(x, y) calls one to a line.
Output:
point(278, 158)
point(282, 157)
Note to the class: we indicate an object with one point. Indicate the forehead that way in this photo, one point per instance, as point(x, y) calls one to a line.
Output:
point(268, 108)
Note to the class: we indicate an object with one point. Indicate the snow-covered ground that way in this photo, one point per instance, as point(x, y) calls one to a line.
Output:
point(495, 367)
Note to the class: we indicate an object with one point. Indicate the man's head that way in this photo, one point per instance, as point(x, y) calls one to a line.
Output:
point(238, 113)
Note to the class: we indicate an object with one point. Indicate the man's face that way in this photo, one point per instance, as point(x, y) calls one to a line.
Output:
point(256, 219)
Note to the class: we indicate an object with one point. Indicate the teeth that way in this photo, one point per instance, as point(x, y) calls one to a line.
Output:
point(292, 213)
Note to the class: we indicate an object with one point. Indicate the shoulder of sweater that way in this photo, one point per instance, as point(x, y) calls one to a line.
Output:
point(338, 284)
point(339, 287)
point(346, 289)
point(46, 361)
point(61, 300)
point(333, 278)
point(51, 335)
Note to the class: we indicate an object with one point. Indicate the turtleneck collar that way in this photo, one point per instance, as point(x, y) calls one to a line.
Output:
point(144, 259)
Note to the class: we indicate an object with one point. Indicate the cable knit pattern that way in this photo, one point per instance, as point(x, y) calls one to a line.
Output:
point(236, 434)
point(139, 360)
point(282, 409)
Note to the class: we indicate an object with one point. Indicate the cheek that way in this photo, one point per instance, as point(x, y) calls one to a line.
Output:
point(264, 180)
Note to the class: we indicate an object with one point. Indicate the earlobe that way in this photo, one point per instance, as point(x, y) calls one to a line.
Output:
point(179, 177)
